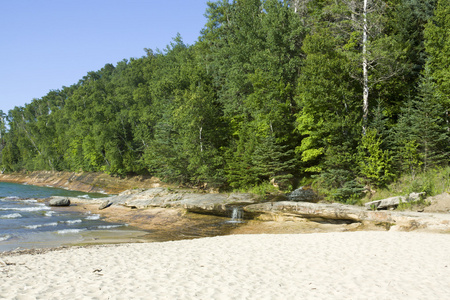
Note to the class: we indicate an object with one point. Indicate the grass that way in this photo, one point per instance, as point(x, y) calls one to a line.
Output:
point(262, 190)
point(432, 182)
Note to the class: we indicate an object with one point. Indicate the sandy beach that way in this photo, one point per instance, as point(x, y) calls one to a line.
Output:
point(346, 265)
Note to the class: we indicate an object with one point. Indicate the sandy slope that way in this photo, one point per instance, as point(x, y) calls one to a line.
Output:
point(351, 265)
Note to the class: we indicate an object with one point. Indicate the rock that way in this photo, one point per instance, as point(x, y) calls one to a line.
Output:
point(415, 197)
point(320, 212)
point(385, 203)
point(242, 199)
point(439, 203)
point(207, 203)
point(59, 201)
point(303, 194)
point(307, 210)
point(105, 204)
point(393, 202)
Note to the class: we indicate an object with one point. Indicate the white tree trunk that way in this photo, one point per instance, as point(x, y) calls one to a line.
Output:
point(365, 71)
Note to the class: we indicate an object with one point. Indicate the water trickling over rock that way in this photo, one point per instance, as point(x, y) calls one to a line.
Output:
point(237, 215)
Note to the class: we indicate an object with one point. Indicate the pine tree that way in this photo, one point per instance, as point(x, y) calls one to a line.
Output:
point(273, 162)
point(422, 135)
point(437, 46)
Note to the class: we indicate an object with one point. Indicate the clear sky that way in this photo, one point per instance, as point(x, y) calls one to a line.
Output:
point(47, 44)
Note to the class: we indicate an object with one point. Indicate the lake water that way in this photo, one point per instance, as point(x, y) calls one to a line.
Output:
point(27, 223)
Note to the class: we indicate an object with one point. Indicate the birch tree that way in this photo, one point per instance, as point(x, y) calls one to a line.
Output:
point(373, 53)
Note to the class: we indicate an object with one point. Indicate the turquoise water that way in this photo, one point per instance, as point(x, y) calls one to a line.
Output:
point(26, 222)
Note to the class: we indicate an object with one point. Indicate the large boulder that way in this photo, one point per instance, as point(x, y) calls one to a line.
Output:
point(303, 194)
point(59, 201)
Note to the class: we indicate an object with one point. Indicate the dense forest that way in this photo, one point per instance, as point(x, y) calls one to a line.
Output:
point(345, 94)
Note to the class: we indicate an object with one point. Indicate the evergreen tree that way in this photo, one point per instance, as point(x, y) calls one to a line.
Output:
point(265, 78)
point(437, 46)
point(421, 132)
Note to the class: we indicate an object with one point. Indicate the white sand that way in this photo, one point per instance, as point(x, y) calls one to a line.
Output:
point(352, 265)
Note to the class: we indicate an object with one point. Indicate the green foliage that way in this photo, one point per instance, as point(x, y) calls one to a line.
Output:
point(263, 189)
point(269, 95)
point(421, 133)
point(437, 42)
point(272, 162)
point(327, 96)
point(339, 185)
point(410, 157)
point(433, 182)
point(375, 163)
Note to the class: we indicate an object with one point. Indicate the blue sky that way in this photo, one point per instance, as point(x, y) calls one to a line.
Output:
point(47, 44)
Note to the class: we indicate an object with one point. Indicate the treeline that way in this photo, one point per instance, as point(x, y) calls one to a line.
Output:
point(347, 93)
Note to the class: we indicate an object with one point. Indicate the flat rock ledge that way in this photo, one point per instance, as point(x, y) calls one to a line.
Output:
point(393, 202)
point(391, 220)
point(215, 204)
point(278, 208)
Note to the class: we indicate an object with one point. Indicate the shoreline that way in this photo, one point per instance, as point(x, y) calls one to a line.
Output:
point(180, 256)
point(89, 182)
point(159, 224)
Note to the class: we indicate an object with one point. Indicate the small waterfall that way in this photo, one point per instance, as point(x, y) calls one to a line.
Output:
point(237, 215)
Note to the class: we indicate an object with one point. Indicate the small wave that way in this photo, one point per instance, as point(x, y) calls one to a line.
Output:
point(40, 225)
point(68, 231)
point(49, 213)
point(84, 196)
point(93, 217)
point(70, 222)
point(5, 237)
point(30, 201)
point(11, 216)
point(32, 226)
point(36, 208)
point(109, 226)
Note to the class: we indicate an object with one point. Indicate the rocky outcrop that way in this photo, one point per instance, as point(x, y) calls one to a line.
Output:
point(312, 211)
point(59, 201)
point(393, 202)
point(393, 220)
point(216, 204)
point(266, 208)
